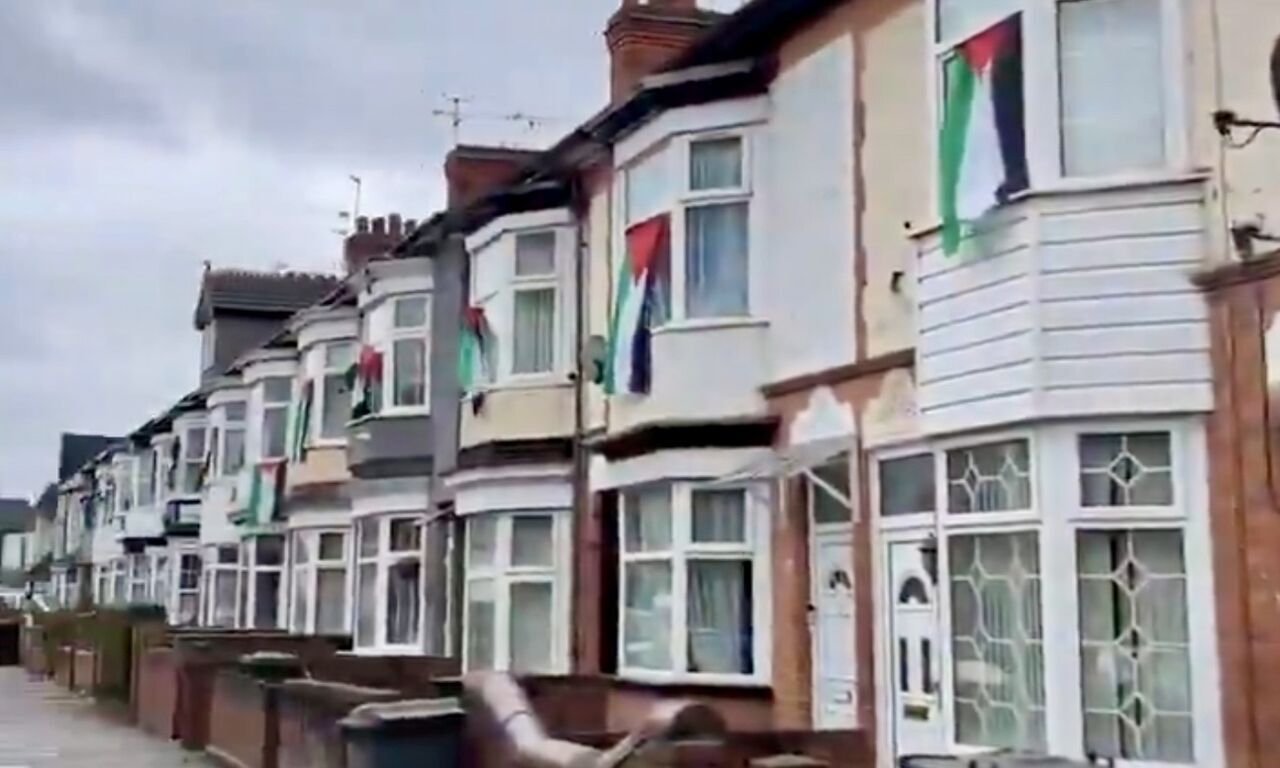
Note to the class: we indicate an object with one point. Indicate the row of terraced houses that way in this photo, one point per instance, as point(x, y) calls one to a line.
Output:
point(703, 401)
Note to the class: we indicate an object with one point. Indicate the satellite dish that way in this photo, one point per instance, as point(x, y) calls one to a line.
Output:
point(1275, 72)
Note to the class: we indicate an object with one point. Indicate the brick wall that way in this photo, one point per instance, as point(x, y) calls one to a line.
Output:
point(242, 721)
point(64, 666)
point(84, 674)
point(309, 713)
point(157, 692)
point(1244, 506)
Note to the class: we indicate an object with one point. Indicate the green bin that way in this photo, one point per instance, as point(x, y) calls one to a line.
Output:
point(416, 732)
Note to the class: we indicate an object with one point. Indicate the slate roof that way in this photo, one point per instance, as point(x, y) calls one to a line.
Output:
point(277, 293)
point(16, 515)
point(77, 450)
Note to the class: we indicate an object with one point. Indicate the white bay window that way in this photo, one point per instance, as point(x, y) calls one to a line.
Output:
point(264, 578)
point(533, 334)
point(193, 456)
point(693, 583)
point(388, 590)
point(333, 401)
point(1068, 584)
point(189, 569)
point(408, 379)
point(1101, 80)
point(277, 394)
point(514, 590)
point(319, 577)
point(221, 583)
point(232, 455)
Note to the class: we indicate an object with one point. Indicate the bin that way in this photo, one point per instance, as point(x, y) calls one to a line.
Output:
point(417, 732)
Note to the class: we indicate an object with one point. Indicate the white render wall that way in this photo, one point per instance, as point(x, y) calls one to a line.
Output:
point(1079, 304)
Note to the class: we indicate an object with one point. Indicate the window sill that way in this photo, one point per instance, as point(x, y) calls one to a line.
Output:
point(326, 442)
point(531, 381)
point(692, 683)
point(709, 324)
point(390, 413)
point(1078, 186)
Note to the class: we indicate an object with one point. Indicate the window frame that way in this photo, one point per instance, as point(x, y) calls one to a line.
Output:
point(1042, 92)
point(283, 407)
point(214, 567)
point(315, 426)
point(682, 550)
point(309, 572)
point(674, 155)
point(383, 560)
point(503, 574)
point(191, 465)
point(534, 283)
point(420, 333)
point(249, 588)
point(1057, 516)
point(225, 468)
point(184, 558)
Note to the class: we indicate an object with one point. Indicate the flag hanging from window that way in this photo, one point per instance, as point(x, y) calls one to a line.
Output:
point(265, 492)
point(301, 422)
point(364, 381)
point(982, 145)
point(627, 367)
point(475, 349)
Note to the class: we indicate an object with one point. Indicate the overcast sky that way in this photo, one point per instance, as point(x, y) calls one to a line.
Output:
point(139, 138)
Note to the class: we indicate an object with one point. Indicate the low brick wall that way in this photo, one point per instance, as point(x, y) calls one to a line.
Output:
point(85, 665)
point(146, 636)
point(64, 666)
point(33, 655)
point(415, 676)
point(309, 712)
point(157, 692)
point(243, 721)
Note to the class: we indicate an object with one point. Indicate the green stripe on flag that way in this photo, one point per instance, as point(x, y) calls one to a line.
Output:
point(620, 297)
point(961, 83)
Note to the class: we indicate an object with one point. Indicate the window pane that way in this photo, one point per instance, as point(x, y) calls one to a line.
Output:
point(403, 595)
point(366, 605)
point(409, 371)
point(1134, 645)
point(535, 254)
point(827, 508)
point(481, 626)
point(533, 348)
point(720, 614)
point(235, 411)
point(266, 599)
point(331, 546)
point(530, 629)
point(277, 389)
point(368, 532)
point(646, 631)
point(719, 517)
point(1122, 470)
point(962, 19)
point(716, 260)
point(907, 485)
point(715, 164)
point(188, 606)
point(234, 451)
point(301, 548)
point(648, 189)
point(532, 542)
point(228, 553)
point(998, 662)
point(482, 541)
point(405, 535)
point(224, 598)
point(338, 357)
point(411, 312)
point(1112, 105)
point(275, 423)
point(648, 520)
point(989, 478)
point(270, 550)
point(299, 613)
point(331, 601)
point(194, 448)
point(337, 406)
point(189, 574)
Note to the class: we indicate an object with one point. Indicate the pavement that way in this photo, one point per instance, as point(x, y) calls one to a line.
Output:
point(43, 725)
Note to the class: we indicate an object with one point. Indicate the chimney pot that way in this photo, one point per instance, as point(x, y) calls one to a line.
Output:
point(362, 223)
point(379, 226)
point(409, 226)
point(395, 225)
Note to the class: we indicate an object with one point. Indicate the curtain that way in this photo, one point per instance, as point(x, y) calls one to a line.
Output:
point(409, 371)
point(715, 164)
point(648, 520)
point(482, 538)
point(333, 420)
point(402, 601)
point(331, 601)
point(367, 605)
point(720, 616)
point(719, 517)
point(266, 599)
point(716, 260)
point(1112, 105)
point(533, 350)
point(224, 598)
point(530, 628)
point(480, 624)
point(275, 423)
point(646, 632)
point(532, 542)
point(299, 620)
point(535, 254)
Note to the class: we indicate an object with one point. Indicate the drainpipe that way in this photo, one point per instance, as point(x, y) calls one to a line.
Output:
point(579, 207)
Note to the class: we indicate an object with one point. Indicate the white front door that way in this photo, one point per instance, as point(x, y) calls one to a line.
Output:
point(914, 671)
point(831, 585)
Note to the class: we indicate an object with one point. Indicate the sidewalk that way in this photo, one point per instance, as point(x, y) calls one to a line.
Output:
point(43, 725)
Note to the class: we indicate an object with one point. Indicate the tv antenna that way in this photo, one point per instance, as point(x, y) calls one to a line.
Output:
point(348, 218)
point(457, 115)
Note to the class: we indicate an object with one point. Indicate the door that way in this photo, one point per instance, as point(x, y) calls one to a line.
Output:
point(831, 585)
point(913, 640)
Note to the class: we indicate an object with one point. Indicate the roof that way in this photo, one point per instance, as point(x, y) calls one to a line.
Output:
point(273, 293)
point(16, 515)
point(77, 450)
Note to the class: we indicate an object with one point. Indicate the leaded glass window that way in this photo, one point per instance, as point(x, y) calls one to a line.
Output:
point(1126, 470)
point(989, 478)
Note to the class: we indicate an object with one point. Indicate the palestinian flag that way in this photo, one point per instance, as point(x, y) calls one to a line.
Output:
point(983, 154)
point(302, 422)
point(364, 381)
point(627, 364)
point(265, 492)
point(475, 349)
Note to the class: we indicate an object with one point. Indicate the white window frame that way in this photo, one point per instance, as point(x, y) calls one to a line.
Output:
point(214, 567)
point(383, 561)
point(269, 406)
point(1042, 92)
point(675, 156)
point(181, 591)
point(419, 333)
point(309, 573)
point(252, 570)
point(192, 463)
point(139, 579)
point(756, 549)
point(241, 425)
point(327, 369)
point(146, 471)
point(532, 284)
point(1056, 517)
point(503, 575)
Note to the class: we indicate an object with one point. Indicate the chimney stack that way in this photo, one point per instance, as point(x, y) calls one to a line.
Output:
point(367, 244)
point(472, 171)
point(645, 35)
